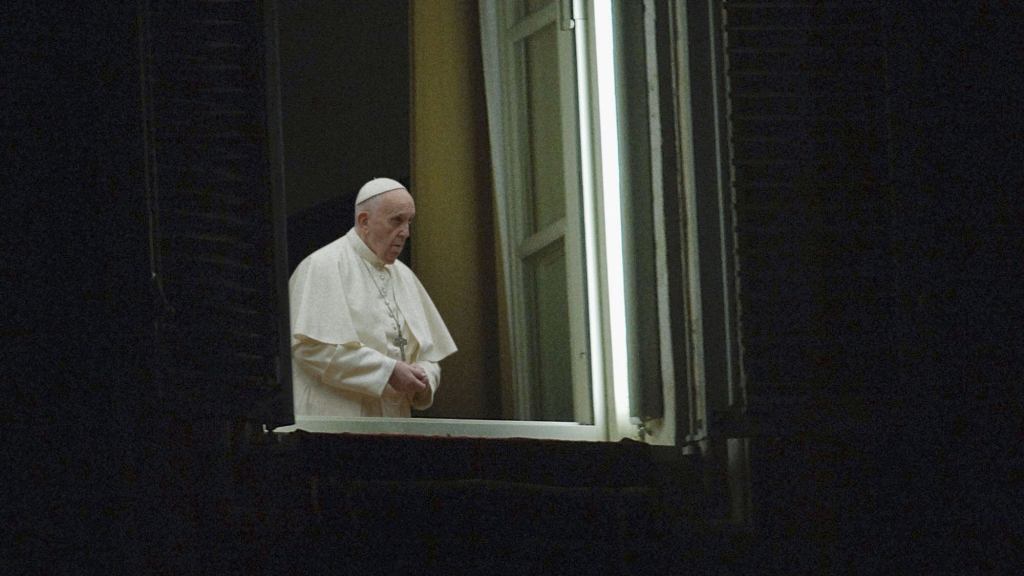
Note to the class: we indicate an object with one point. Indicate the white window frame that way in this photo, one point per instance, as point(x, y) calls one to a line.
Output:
point(595, 289)
point(502, 43)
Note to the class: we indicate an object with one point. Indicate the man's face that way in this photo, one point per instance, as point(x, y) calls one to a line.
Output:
point(386, 227)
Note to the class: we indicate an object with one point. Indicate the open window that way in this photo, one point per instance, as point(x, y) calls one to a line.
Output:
point(585, 272)
point(610, 228)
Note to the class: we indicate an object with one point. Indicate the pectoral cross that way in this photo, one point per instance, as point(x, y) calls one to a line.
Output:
point(400, 341)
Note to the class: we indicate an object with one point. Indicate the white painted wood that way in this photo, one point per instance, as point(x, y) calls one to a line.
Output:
point(446, 427)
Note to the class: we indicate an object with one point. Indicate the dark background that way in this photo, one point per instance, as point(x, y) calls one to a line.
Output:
point(98, 471)
point(345, 112)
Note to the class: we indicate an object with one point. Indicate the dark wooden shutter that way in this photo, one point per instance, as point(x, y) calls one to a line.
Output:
point(806, 91)
point(218, 220)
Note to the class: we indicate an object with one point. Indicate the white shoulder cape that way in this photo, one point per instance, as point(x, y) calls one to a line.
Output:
point(324, 301)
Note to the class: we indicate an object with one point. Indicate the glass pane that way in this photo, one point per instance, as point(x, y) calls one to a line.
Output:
point(523, 8)
point(551, 382)
point(543, 158)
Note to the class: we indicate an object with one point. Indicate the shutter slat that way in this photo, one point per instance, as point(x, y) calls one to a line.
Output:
point(807, 107)
point(216, 232)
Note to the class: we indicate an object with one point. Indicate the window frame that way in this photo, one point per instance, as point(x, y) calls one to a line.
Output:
point(504, 43)
point(686, 395)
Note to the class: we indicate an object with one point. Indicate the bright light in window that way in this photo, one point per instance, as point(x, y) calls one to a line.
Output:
point(612, 229)
point(593, 281)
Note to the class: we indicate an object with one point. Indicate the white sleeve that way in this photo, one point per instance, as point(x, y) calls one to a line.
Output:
point(423, 400)
point(357, 369)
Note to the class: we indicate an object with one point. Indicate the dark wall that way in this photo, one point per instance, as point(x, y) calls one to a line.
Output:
point(958, 166)
point(77, 311)
point(914, 471)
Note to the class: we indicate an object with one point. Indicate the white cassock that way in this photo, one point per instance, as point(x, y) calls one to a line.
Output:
point(349, 315)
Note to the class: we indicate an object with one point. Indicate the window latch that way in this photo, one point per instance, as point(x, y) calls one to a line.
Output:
point(569, 11)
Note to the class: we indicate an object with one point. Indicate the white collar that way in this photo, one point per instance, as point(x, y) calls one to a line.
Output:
point(365, 253)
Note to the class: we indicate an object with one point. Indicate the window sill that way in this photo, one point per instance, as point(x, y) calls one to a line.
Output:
point(446, 427)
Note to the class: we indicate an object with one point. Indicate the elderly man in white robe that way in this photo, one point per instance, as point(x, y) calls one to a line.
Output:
point(366, 338)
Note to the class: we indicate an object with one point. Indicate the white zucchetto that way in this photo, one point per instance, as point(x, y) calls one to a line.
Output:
point(376, 187)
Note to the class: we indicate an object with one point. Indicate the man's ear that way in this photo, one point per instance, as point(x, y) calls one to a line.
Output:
point(361, 218)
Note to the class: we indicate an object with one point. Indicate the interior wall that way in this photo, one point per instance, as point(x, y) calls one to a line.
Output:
point(453, 240)
point(344, 98)
point(344, 89)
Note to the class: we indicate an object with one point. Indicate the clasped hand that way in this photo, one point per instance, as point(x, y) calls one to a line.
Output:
point(408, 378)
